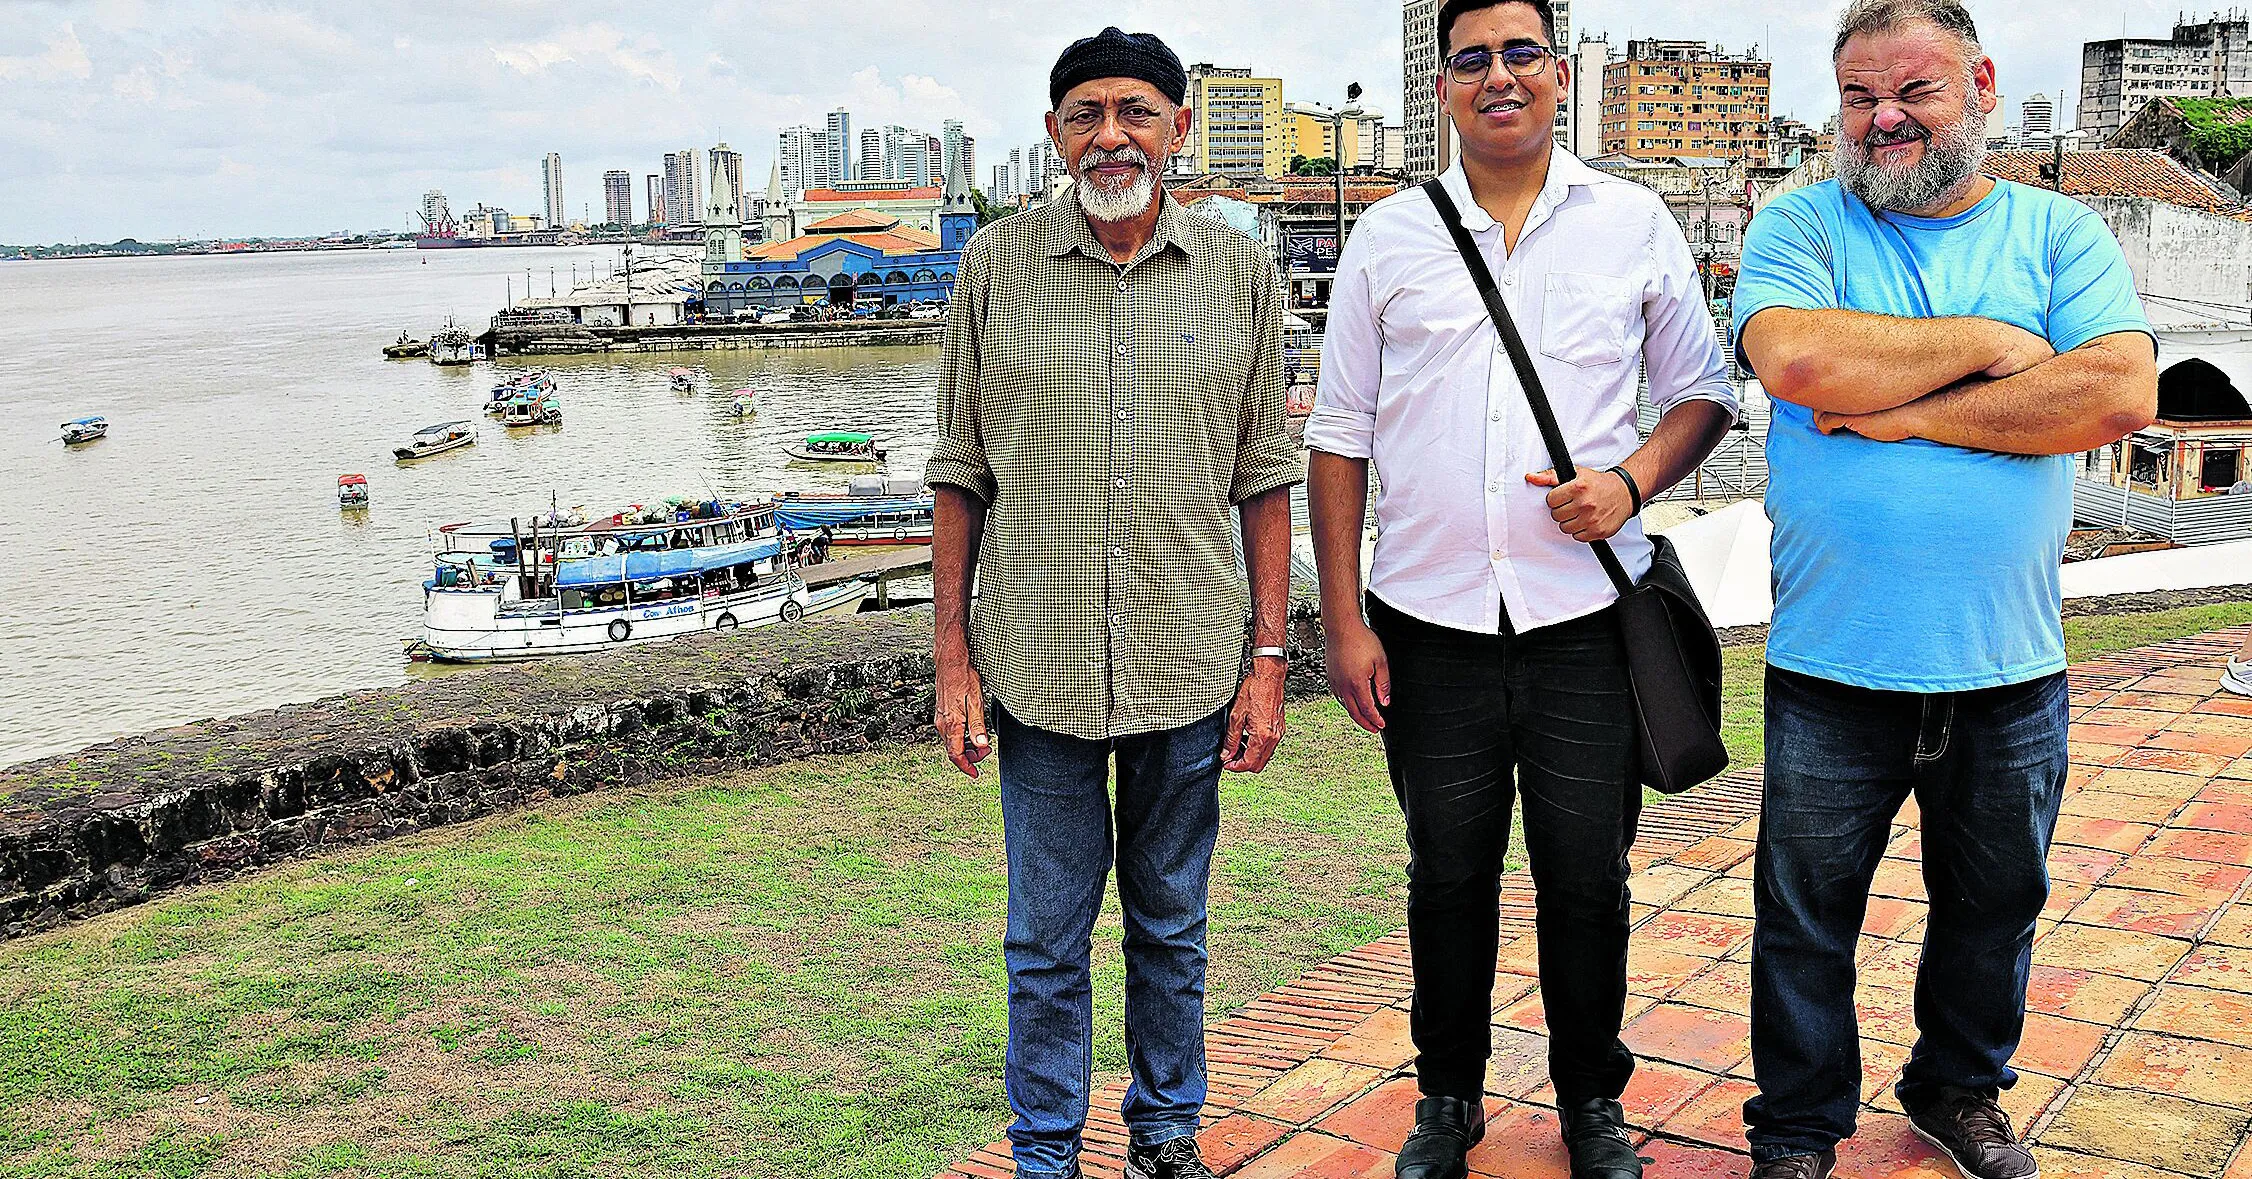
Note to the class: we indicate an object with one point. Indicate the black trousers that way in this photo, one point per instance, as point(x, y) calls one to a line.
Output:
point(1475, 720)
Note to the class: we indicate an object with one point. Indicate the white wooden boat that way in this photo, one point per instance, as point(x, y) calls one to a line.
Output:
point(351, 491)
point(839, 448)
point(438, 439)
point(79, 431)
point(452, 345)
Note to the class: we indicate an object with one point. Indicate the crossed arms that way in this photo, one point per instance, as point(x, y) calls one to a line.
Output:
point(1974, 383)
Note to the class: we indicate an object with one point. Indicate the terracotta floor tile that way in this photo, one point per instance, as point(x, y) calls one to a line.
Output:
point(1525, 1013)
point(2110, 835)
point(2092, 753)
point(2032, 1095)
point(2165, 914)
point(2149, 783)
point(2157, 1130)
point(2064, 896)
point(1521, 1141)
point(1724, 986)
point(2226, 746)
point(1701, 934)
point(2132, 808)
point(2109, 951)
point(1715, 1117)
point(2082, 865)
point(1900, 879)
point(2223, 1016)
point(1658, 1090)
point(1725, 896)
point(1519, 1063)
point(2219, 847)
point(1519, 955)
point(2216, 816)
point(1380, 1041)
point(1701, 1039)
point(1672, 1160)
point(1892, 918)
point(1883, 1147)
point(1316, 1156)
point(2235, 926)
point(2190, 878)
point(1886, 1013)
point(1227, 1143)
point(1880, 1068)
point(1663, 884)
point(2204, 763)
point(2065, 1164)
point(2057, 1047)
point(1381, 1118)
point(2083, 994)
point(2217, 1074)
point(1655, 968)
point(2223, 968)
point(1717, 853)
point(1311, 1090)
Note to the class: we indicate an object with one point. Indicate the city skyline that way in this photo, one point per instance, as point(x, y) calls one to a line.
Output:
point(215, 119)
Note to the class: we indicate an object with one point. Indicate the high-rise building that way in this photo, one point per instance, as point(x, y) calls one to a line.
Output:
point(617, 197)
point(1686, 98)
point(1016, 171)
point(1583, 131)
point(2039, 119)
point(841, 144)
point(2211, 59)
point(1239, 129)
point(950, 138)
point(968, 153)
point(656, 202)
point(1429, 144)
point(437, 218)
point(821, 161)
point(730, 161)
point(1392, 155)
point(871, 163)
point(551, 185)
point(684, 189)
point(794, 152)
point(1562, 41)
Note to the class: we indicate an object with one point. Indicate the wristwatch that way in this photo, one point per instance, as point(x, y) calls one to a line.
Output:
point(1270, 653)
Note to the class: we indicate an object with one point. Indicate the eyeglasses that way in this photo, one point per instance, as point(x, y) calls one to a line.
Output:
point(1522, 61)
point(1864, 101)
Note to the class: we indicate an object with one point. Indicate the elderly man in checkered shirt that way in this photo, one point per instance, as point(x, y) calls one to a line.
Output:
point(1112, 388)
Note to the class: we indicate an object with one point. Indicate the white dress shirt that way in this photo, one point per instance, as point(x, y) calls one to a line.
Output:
point(1414, 376)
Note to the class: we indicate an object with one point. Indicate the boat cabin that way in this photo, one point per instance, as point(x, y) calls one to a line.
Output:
point(2186, 476)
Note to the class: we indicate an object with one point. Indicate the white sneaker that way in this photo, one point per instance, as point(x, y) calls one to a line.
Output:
point(2237, 676)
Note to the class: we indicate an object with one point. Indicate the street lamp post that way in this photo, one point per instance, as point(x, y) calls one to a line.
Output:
point(1351, 110)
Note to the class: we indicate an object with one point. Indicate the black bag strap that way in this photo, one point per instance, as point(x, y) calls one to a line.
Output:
point(1559, 454)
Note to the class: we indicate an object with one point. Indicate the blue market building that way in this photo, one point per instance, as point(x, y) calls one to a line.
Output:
point(865, 256)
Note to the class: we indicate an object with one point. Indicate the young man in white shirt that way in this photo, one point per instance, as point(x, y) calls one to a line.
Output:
point(1490, 659)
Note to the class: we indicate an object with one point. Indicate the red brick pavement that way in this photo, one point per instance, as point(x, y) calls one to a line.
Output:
point(2137, 1057)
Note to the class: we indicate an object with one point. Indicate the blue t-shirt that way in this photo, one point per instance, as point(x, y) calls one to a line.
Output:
point(1915, 566)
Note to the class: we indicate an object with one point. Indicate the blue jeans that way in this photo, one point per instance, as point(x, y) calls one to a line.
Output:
point(1056, 815)
point(1987, 769)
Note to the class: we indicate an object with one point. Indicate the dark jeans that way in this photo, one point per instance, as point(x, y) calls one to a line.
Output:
point(1056, 817)
point(1987, 769)
point(1474, 720)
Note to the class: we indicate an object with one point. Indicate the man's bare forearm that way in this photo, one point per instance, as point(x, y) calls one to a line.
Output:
point(1682, 439)
point(1854, 362)
point(2087, 398)
point(1337, 502)
point(1266, 556)
point(958, 527)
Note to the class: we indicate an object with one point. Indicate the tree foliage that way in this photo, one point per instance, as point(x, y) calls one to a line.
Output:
point(2220, 129)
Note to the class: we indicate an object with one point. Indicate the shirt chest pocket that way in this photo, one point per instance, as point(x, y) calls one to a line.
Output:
point(1584, 318)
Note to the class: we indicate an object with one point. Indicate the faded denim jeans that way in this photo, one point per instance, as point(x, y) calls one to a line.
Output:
point(1987, 769)
point(1056, 817)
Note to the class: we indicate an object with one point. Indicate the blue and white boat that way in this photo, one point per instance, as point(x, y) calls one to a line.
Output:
point(858, 520)
point(514, 605)
point(79, 431)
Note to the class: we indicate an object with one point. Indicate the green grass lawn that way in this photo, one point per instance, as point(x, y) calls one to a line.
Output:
point(789, 972)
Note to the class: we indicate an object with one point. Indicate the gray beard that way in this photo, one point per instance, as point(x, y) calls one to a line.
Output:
point(1951, 159)
point(1114, 205)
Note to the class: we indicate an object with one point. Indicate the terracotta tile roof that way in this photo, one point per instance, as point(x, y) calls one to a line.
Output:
point(2115, 172)
point(930, 193)
point(892, 243)
point(856, 221)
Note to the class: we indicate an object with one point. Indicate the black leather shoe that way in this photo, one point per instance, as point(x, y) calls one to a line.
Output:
point(1445, 1130)
point(1595, 1133)
point(1976, 1135)
point(1798, 1166)
point(1176, 1159)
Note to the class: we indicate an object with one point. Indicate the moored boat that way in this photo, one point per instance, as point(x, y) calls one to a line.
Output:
point(533, 407)
point(875, 511)
point(438, 439)
point(681, 379)
point(745, 402)
point(351, 491)
point(537, 382)
point(452, 345)
point(406, 347)
point(837, 447)
point(79, 431)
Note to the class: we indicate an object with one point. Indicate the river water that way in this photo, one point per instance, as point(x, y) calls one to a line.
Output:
point(194, 563)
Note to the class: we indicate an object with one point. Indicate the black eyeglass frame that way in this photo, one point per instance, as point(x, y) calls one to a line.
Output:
point(1534, 59)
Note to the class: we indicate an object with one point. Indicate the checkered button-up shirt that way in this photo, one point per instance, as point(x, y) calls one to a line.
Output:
point(1109, 416)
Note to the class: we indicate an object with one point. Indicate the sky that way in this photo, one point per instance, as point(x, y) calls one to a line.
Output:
point(217, 118)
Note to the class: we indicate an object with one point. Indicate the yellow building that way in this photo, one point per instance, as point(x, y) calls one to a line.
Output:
point(1237, 116)
point(1306, 130)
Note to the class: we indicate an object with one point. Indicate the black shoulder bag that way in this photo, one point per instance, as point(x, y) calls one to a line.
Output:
point(1673, 656)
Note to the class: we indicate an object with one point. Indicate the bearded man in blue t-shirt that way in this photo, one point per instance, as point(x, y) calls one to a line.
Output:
point(1935, 343)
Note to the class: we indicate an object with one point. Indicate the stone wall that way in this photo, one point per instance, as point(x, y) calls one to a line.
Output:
point(116, 823)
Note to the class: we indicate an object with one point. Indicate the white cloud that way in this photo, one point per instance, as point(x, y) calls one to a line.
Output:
point(64, 58)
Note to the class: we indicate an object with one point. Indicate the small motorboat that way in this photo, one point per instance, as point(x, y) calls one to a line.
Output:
point(453, 345)
point(80, 431)
point(839, 448)
point(438, 439)
point(536, 384)
point(351, 491)
point(682, 380)
point(744, 399)
point(406, 347)
point(533, 406)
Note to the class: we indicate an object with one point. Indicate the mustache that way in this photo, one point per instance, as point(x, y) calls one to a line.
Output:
point(1908, 132)
point(1096, 157)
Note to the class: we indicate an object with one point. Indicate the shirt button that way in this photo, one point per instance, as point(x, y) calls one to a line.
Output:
point(1497, 554)
point(1117, 551)
point(1497, 415)
point(1495, 487)
point(1122, 349)
point(1122, 284)
point(1118, 483)
point(1509, 280)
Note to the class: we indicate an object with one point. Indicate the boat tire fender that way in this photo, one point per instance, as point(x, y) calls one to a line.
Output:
point(793, 610)
point(725, 622)
point(620, 630)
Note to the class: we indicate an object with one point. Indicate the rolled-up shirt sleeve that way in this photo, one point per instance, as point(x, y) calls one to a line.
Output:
point(1352, 359)
point(959, 458)
point(1265, 457)
point(1680, 350)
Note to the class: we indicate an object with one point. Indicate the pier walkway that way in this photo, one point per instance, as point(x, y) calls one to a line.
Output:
point(2137, 1057)
point(883, 566)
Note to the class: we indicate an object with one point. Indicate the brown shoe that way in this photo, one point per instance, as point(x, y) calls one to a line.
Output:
point(1975, 1134)
point(1798, 1166)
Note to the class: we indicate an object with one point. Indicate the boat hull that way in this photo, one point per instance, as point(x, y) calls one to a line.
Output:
point(801, 454)
point(407, 454)
point(82, 437)
point(468, 626)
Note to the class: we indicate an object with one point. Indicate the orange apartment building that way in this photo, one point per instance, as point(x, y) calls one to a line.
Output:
point(1686, 98)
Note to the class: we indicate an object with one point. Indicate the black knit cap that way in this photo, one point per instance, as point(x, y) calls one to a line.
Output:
point(1113, 54)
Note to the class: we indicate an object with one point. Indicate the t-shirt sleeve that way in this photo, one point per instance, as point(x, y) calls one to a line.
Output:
point(1786, 263)
point(2091, 291)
